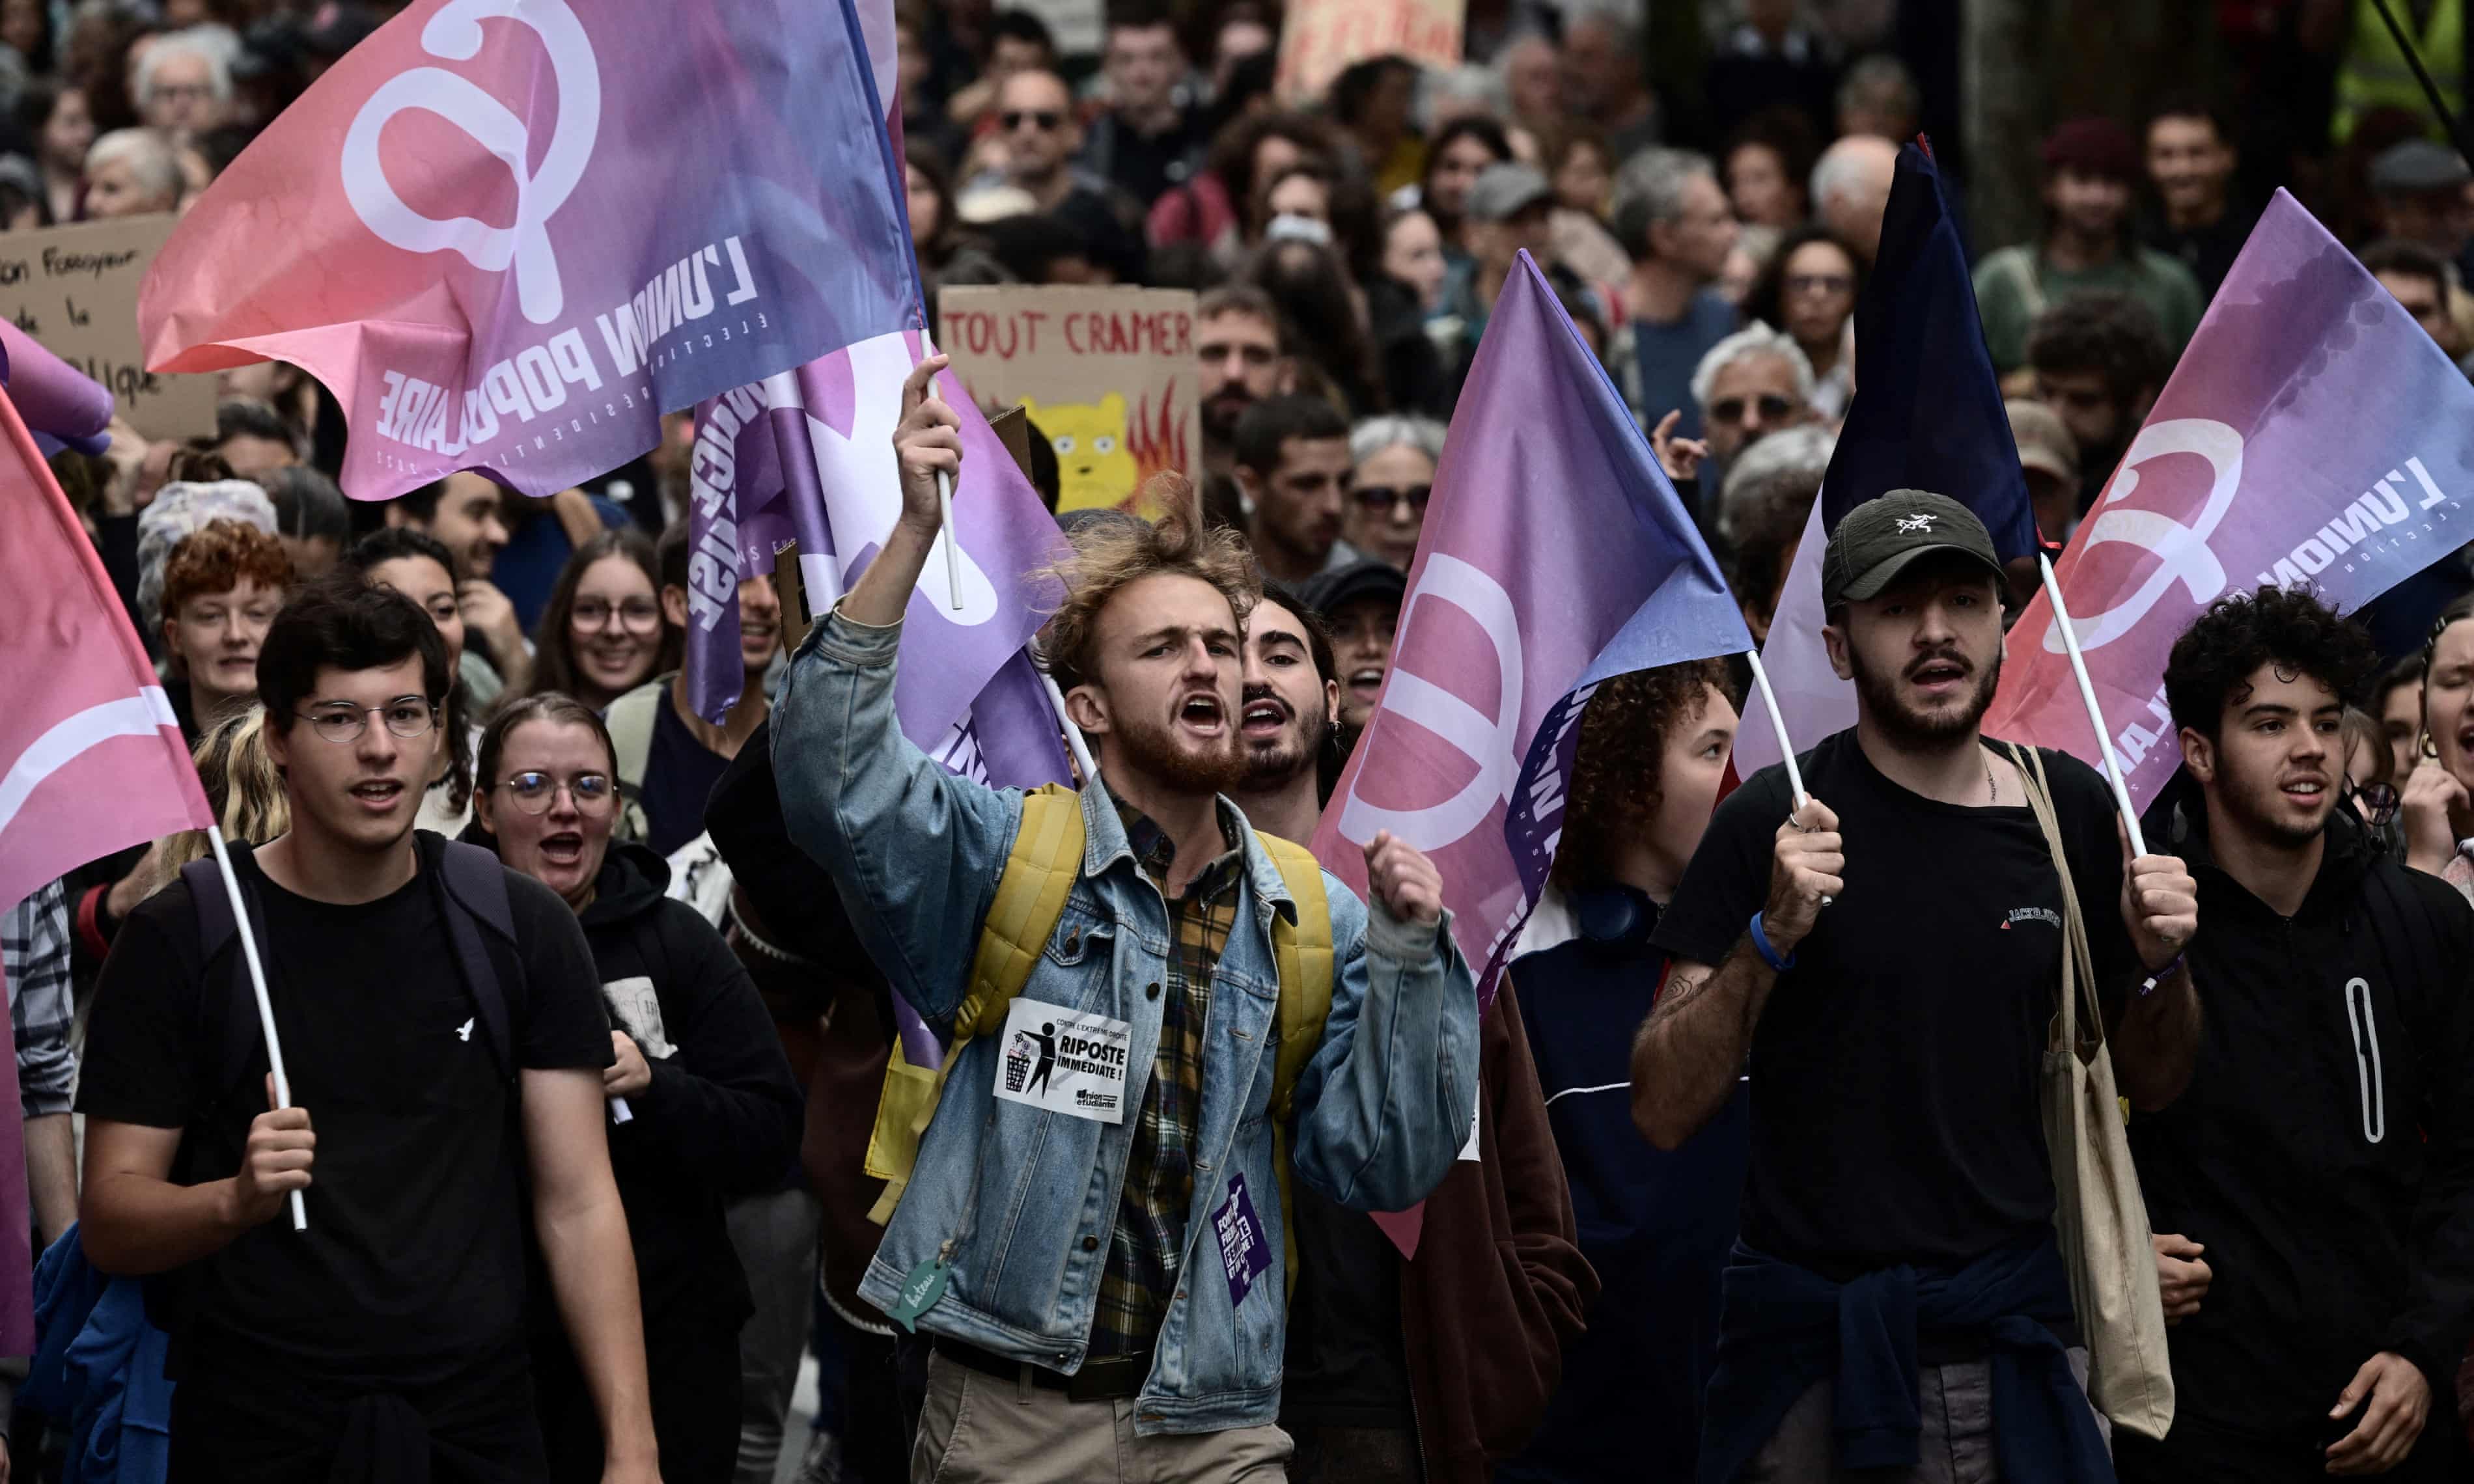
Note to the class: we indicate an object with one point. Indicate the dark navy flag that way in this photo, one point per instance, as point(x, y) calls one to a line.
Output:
point(1927, 415)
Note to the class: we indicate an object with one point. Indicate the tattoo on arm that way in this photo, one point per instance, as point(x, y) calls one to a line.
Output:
point(1693, 1044)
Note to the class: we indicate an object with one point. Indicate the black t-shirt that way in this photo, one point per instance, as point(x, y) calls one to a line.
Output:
point(413, 1263)
point(679, 774)
point(1894, 1071)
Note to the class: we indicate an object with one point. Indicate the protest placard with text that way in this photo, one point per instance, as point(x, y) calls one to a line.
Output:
point(1322, 37)
point(1108, 376)
point(74, 289)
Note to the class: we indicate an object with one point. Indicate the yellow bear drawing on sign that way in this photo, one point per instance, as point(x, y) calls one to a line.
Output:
point(1094, 466)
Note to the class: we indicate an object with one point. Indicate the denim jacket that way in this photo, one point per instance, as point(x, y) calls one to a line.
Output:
point(1021, 1201)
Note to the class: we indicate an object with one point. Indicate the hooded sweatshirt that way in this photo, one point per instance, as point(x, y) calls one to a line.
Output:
point(723, 1116)
point(2323, 1152)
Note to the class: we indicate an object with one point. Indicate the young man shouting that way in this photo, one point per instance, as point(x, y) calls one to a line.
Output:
point(1102, 1267)
point(1888, 960)
point(2313, 1190)
point(392, 1330)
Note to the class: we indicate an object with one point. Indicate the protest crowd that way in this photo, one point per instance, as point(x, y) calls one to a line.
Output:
point(694, 1065)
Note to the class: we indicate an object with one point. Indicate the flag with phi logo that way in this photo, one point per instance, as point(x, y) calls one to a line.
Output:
point(2312, 434)
point(509, 234)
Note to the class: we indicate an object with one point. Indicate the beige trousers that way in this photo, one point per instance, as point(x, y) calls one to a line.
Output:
point(975, 1427)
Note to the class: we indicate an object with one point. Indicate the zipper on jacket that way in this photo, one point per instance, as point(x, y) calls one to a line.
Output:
point(2366, 1059)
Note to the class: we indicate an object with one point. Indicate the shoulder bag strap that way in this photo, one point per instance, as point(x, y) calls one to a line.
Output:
point(2078, 963)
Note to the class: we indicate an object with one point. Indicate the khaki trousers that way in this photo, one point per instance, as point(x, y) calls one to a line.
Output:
point(975, 1427)
point(1955, 1445)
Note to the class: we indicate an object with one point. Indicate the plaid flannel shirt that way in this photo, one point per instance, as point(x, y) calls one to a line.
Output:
point(1149, 1240)
point(34, 957)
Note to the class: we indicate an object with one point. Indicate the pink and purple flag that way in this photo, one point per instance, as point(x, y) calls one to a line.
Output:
point(1927, 415)
point(2312, 433)
point(1556, 554)
point(509, 234)
point(92, 759)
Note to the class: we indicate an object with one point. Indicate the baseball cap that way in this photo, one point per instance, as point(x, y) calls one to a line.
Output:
point(1882, 538)
point(2044, 442)
point(1326, 591)
point(2417, 165)
point(1504, 190)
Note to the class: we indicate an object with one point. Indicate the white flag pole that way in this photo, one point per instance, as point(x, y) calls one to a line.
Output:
point(2096, 715)
point(258, 983)
point(1073, 733)
point(1777, 724)
point(945, 513)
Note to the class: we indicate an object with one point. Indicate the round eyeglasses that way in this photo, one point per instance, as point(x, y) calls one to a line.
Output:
point(534, 792)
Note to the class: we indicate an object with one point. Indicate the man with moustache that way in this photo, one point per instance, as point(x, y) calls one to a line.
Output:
point(1044, 1245)
point(2312, 1191)
point(1885, 961)
point(1244, 358)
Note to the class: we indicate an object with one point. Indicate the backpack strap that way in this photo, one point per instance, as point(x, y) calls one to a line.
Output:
point(231, 1036)
point(1303, 953)
point(473, 895)
point(1040, 870)
point(631, 720)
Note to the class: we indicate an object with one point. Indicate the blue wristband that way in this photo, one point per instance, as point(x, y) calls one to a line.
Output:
point(1769, 956)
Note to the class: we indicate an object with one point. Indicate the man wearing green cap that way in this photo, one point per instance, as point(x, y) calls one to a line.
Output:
point(1885, 962)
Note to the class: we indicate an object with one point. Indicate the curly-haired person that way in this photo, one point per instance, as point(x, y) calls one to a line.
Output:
point(1044, 1235)
point(1655, 1225)
point(2311, 1190)
point(221, 589)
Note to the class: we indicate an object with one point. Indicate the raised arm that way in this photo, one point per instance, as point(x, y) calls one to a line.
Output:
point(1693, 1045)
point(914, 849)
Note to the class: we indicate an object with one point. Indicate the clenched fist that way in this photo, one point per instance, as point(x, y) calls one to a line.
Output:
point(1807, 867)
point(1402, 880)
point(274, 1164)
point(927, 442)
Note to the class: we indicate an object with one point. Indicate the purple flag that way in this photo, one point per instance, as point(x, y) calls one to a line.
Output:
point(1556, 554)
point(2312, 433)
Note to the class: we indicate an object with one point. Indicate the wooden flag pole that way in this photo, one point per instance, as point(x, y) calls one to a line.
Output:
point(258, 983)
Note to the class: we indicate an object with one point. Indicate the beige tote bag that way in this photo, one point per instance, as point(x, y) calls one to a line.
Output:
point(2100, 1215)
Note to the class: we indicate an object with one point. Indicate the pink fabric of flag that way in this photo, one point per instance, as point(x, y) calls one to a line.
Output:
point(91, 758)
point(509, 234)
point(2312, 434)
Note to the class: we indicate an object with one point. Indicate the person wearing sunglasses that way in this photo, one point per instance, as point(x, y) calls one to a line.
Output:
point(1396, 459)
point(2310, 1188)
point(713, 1112)
point(457, 1119)
point(1038, 137)
point(1749, 385)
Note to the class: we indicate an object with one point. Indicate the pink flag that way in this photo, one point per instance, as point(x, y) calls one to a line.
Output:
point(91, 758)
point(509, 234)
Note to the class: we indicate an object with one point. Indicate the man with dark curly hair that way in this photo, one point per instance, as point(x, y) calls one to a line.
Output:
point(2311, 1190)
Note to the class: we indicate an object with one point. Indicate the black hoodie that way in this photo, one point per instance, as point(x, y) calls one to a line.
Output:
point(2323, 1153)
point(722, 1117)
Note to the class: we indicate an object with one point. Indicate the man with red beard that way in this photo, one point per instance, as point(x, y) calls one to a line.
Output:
point(1101, 1262)
point(1885, 959)
point(2310, 1192)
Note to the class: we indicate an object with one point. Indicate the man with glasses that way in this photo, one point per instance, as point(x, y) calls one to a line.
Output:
point(394, 1326)
point(1292, 475)
point(1753, 383)
point(2311, 1189)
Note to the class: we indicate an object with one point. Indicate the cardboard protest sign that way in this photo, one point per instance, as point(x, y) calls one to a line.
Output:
point(74, 289)
point(1322, 37)
point(1107, 376)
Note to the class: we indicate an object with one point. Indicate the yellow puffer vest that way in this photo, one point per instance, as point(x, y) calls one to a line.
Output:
point(1040, 873)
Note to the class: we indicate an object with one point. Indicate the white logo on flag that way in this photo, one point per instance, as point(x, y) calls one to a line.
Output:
point(2181, 551)
point(1486, 740)
point(455, 34)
